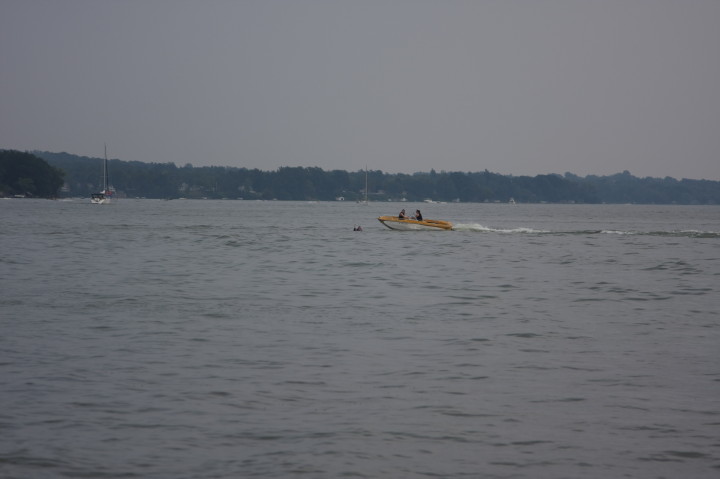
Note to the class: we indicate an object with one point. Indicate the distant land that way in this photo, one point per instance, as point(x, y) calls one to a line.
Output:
point(25, 175)
point(83, 175)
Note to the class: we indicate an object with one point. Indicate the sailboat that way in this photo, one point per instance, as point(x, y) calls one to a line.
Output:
point(103, 197)
point(366, 189)
point(366, 186)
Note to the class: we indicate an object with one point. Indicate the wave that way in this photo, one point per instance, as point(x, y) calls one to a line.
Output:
point(673, 234)
point(686, 233)
point(477, 227)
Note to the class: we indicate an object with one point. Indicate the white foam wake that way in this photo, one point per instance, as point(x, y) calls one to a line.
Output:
point(479, 227)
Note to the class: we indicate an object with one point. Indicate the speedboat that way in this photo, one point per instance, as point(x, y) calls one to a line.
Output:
point(407, 224)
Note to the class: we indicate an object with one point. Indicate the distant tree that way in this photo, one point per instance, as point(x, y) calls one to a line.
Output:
point(26, 174)
point(165, 180)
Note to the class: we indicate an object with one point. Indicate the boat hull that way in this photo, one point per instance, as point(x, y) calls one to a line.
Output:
point(99, 199)
point(395, 223)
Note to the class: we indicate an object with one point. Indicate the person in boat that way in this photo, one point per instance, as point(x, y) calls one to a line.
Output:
point(418, 215)
point(402, 215)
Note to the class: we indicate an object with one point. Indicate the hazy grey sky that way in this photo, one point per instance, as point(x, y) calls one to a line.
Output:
point(515, 87)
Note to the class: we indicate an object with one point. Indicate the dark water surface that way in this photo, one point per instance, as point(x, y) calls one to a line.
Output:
point(222, 339)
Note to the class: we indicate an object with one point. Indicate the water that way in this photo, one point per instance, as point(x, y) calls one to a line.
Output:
point(224, 339)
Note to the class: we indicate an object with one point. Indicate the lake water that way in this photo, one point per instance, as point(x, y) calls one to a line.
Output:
point(224, 339)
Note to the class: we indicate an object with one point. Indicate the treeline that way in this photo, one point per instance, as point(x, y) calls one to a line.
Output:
point(166, 180)
point(26, 175)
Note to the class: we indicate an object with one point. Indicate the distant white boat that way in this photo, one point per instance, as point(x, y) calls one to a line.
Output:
point(512, 201)
point(103, 197)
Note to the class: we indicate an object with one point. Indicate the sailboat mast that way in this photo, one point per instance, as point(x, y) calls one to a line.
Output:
point(105, 172)
point(366, 185)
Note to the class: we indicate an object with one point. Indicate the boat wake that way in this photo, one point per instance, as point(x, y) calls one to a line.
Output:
point(477, 227)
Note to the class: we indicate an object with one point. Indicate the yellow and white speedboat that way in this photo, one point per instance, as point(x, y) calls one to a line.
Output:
point(407, 224)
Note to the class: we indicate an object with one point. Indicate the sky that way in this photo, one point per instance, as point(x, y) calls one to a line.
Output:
point(590, 87)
